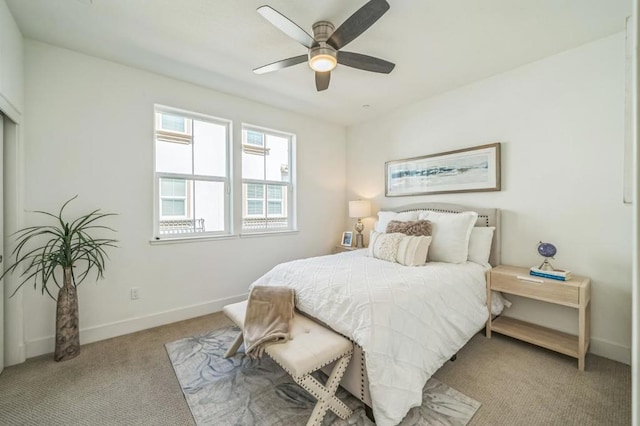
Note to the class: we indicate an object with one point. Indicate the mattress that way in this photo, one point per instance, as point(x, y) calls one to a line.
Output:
point(408, 320)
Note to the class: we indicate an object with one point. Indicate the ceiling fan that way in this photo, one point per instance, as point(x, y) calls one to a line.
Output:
point(324, 47)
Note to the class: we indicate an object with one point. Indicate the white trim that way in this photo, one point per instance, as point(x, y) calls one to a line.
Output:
point(267, 233)
point(196, 238)
point(14, 316)
point(45, 345)
point(10, 110)
point(610, 350)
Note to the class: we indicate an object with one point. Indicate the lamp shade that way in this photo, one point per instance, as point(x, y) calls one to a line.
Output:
point(359, 209)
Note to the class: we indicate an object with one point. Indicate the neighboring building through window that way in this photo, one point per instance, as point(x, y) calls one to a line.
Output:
point(191, 173)
point(267, 183)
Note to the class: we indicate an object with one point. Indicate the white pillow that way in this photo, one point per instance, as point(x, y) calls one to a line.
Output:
point(450, 232)
point(480, 244)
point(385, 217)
point(384, 246)
point(413, 250)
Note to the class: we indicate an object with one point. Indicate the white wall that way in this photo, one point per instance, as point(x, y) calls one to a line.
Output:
point(90, 133)
point(561, 124)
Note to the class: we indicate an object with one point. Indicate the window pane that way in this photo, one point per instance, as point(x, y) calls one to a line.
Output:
point(254, 207)
point(255, 191)
point(274, 208)
point(173, 188)
point(277, 158)
point(174, 123)
point(275, 192)
point(254, 138)
point(277, 206)
point(210, 149)
point(173, 157)
point(173, 207)
point(252, 165)
point(209, 206)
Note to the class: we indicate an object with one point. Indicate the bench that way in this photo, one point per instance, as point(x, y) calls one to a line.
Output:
point(309, 348)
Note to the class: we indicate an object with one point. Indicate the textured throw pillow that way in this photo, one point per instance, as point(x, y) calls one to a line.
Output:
point(450, 232)
point(412, 227)
point(385, 217)
point(480, 244)
point(413, 250)
point(384, 246)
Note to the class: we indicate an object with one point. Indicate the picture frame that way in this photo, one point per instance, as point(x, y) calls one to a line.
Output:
point(347, 239)
point(474, 169)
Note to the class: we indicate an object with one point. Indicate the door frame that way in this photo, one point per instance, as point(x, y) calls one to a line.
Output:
point(13, 169)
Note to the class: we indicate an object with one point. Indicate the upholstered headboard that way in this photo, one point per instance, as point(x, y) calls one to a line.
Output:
point(486, 217)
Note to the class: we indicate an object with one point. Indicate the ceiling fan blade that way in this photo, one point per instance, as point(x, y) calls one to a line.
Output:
point(364, 62)
point(358, 23)
point(322, 80)
point(287, 26)
point(275, 66)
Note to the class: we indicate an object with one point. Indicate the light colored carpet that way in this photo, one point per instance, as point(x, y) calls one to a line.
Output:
point(242, 391)
point(129, 380)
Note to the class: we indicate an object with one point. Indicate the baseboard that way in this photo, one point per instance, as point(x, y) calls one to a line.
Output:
point(14, 355)
point(610, 350)
point(131, 325)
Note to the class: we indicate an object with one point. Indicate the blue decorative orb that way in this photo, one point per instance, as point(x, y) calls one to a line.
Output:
point(547, 249)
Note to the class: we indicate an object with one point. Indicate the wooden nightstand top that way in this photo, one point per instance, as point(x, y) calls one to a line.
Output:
point(515, 271)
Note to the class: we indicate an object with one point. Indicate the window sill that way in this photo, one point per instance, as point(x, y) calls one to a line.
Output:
point(267, 233)
point(194, 239)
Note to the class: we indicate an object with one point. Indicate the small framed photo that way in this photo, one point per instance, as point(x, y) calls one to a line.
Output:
point(347, 238)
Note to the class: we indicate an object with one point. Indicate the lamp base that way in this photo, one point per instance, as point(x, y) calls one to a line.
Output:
point(359, 240)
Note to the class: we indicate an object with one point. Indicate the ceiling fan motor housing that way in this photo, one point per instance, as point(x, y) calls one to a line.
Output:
point(322, 56)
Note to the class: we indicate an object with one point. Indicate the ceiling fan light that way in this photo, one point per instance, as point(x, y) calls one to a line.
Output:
point(322, 63)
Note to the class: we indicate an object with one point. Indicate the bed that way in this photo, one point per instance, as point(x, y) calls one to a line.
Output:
point(405, 321)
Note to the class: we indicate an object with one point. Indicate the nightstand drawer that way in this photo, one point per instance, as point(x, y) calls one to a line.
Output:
point(549, 290)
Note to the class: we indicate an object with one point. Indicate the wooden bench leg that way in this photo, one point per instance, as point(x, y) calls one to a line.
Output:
point(234, 346)
point(327, 400)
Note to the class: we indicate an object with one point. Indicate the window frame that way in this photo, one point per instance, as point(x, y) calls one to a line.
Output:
point(226, 180)
point(289, 187)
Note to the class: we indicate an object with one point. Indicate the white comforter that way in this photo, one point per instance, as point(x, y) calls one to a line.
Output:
point(408, 320)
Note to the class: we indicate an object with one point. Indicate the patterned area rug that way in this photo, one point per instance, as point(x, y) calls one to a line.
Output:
point(242, 391)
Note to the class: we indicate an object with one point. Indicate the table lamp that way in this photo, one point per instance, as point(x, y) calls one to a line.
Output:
point(359, 209)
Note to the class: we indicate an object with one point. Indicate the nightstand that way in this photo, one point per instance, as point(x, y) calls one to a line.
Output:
point(575, 293)
point(342, 249)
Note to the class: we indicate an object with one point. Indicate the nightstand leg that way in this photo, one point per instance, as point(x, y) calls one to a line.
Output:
point(582, 332)
point(488, 326)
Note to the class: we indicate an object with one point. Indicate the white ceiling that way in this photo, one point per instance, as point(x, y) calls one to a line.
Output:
point(437, 45)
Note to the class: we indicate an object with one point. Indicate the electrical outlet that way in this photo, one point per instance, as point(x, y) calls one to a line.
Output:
point(135, 293)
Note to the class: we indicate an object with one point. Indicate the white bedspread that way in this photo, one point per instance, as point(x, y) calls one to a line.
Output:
point(408, 320)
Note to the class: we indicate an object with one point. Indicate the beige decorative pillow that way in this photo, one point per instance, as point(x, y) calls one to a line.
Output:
point(412, 227)
point(413, 250)
point(384, 246)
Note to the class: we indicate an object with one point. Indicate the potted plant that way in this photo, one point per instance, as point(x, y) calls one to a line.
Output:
point(67, 250)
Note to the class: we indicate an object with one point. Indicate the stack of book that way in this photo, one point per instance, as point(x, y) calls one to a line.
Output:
point(555, 274)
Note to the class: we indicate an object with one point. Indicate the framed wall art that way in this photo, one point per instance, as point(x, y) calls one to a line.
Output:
point(472, 169)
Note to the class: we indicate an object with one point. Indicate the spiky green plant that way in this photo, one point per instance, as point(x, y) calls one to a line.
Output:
point(65, 245)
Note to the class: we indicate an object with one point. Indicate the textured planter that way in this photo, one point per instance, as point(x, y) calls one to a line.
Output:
point(67, 323)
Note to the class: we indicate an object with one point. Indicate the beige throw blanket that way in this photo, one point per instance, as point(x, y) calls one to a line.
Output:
point(266, 320)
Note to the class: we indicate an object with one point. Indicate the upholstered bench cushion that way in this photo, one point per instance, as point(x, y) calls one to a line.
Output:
point(310, 347)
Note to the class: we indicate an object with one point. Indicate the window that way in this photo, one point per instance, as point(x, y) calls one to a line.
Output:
point(191, 174)
point(267, 181)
